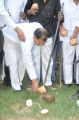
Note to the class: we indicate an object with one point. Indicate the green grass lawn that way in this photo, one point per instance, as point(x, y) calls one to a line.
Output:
point(13, 107)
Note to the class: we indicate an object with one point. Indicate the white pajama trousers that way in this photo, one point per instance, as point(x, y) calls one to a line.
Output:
point(13, 59)
point(16, 74)
point(68, 58)
point(46, 50)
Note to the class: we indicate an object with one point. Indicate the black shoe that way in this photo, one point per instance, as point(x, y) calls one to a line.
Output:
point(23, 88)
point(74, 81)
point(6, 82)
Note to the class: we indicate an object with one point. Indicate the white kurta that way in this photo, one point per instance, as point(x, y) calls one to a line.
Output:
point(27, 48)
point(71, 19)
point(13, 9)
point(31, 56)
point(4, 16)
point(12, 48)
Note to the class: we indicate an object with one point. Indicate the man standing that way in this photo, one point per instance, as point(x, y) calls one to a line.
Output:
point(12, 48)
point(6, 20)
point(44, 12)
point(69, 35)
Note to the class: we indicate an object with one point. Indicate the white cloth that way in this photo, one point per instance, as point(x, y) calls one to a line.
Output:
point(31, 53)
point(4, 17)
point(71, 19)
point(68, 58)
point(14, 9)
point(27, 47)
point(12, 47)
point(17, 74)
point(28, 29)
point(11, 38)
point(46, 50)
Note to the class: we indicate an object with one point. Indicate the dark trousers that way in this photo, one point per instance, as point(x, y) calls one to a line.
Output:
point(7, 80)
point(1, 50)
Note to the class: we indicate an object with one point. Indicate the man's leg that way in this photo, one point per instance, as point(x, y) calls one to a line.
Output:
point(68, 57)
point(46, 55)
point(46, 50)
point(77, 65)
point(21, 71)
point(1, 53)
point(14, 75)
point(7, 80)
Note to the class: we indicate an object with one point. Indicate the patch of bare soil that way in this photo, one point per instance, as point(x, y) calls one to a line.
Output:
point(19, 108)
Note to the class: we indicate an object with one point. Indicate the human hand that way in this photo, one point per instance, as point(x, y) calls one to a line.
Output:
point(73, 41)
point(63, 31)
point(75, 32)
point(22, 15)
point(34, 9)
point(60, 16)
point(20, 34)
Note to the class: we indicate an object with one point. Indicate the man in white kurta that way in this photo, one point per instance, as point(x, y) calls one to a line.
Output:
point(12, 48)
point(71, 26)
point(6, 20)
point(27, 51)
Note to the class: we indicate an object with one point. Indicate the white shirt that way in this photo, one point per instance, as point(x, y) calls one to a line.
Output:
point(71, 18)
point(27, 47)
point(14, 9)
point(11, 48)
point(4, 17)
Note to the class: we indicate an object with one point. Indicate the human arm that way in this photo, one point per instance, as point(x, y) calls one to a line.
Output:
point(63, 31)
point(31, 8)
point(57, 8)
point(29, 64)
point(73, 39)
point(22, 14)
point(75, 32)
point(6, 20)
point(59, 11)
